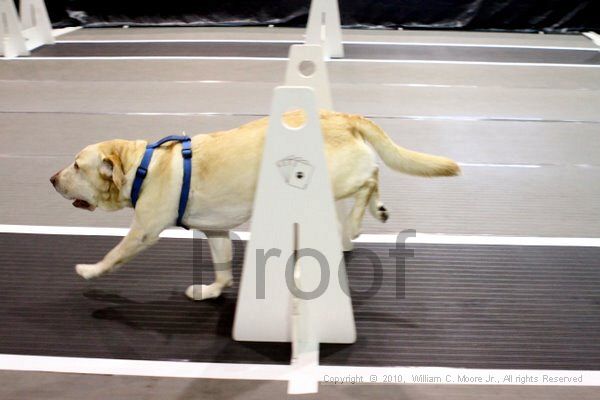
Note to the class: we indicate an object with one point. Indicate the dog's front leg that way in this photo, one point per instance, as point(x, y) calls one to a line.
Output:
point(221, 252)
point(138, 239)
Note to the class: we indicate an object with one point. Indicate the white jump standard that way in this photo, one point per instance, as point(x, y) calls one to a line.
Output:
point(294, 286)
point(19, 37)
point(324, 27)
point(306, 67)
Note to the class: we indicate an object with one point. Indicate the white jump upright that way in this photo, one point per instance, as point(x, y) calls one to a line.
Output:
point(293, 286)
point(32, 30)
point(306, 67)
point(324, 27)
point(35, 23)
point(13, 42)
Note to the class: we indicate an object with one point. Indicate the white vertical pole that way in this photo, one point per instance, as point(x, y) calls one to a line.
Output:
point(13, 43)
point(324, 27)
point(35, 23)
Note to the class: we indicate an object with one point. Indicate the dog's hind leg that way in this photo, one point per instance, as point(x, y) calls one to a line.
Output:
point(376, 207)
point(343, 226)
point(361, 199)
point(221, 252)
point(367, 195)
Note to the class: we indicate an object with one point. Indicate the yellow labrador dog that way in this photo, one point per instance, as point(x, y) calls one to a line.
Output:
point(225, 167)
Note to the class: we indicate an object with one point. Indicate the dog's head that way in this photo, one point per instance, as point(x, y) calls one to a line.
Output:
point(97, 176)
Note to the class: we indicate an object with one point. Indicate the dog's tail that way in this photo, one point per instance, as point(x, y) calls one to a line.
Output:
point(401, 159)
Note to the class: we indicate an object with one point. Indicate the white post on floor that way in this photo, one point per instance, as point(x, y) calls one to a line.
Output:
point(324, 27)
point(20, 36)
point(13, 42)
point(307, 67)
point(37, 29)
point(294, 286)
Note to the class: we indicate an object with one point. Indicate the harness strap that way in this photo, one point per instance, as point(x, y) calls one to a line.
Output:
point(142, 171)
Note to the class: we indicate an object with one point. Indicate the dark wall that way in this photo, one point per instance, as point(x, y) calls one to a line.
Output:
point(519, 15)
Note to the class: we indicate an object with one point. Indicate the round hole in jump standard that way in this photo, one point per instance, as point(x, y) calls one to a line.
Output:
point(307, 68)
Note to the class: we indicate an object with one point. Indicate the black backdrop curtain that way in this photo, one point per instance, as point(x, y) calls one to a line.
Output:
point(510, 15)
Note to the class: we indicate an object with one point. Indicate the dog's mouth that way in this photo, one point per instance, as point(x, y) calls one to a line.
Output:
point(83, 204)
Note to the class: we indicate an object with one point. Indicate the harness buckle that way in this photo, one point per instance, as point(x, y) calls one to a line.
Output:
point(141, 172)
point(187, 153)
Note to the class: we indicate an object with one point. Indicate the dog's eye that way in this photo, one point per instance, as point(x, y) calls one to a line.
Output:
point(75, 165)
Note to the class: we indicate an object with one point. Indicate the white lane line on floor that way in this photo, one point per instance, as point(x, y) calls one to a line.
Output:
point(229, 82)
point(505, 64)
point(246, 41)
point(491, 165)
point(172, 369)
point(527, 166)
point(462, 164)
point(487, 45)
point(325, 374)
point(351, 42)
point(345, 60)
point(420, 238)
point(452, 118)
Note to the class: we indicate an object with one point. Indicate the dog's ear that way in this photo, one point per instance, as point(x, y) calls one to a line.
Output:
point(112, 169)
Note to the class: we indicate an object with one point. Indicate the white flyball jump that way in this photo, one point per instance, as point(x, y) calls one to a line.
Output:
point(324, 27)
point(12, 43)
point(294, 286)
point(32, 30)
point(306, 67)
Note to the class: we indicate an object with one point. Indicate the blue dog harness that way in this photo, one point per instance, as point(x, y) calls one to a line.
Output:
point(142, 171)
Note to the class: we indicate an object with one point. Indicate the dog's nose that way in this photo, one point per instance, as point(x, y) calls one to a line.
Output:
point(54, 179)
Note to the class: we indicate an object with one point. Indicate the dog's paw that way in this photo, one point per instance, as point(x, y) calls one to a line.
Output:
point(89, 271)
point(204, 292)
point(382, 213)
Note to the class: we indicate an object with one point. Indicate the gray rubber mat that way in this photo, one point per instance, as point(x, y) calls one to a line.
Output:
point(522, 179)
point(352, 51)
point(249, 98)
point(406, 74)
point(457, 306)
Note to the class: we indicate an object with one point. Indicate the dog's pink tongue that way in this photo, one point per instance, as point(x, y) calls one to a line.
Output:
point(83, 204)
